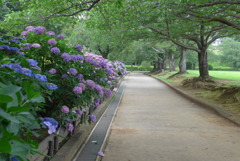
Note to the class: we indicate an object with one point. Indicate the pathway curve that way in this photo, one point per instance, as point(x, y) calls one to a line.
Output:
point(153, 123)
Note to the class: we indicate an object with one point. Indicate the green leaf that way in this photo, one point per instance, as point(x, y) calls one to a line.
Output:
point(24, 119)
point(38, 99)
point(8, 116)
point(19, 149)
point(5, 146)
point(30, 91)
point(9, 90)
point(13, 127)
point(5, 98)
point(18, 109)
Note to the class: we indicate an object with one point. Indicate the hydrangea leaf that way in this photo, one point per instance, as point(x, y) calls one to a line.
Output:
point(5, 98)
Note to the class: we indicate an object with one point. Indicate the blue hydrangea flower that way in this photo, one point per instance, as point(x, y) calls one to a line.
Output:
point(41, 78)
point(51, 86)
point(14, 159)
point(4, 47)
point(51, 124)
point(32, 62)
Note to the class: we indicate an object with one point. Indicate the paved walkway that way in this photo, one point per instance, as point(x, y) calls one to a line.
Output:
point(153, 123)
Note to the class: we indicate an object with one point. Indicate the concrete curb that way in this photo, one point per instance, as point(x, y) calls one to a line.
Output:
point(68, 151)
point(201, 102)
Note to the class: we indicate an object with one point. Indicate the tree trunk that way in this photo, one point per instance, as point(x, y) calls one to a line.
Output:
point(171, 62)
point(164, 63)
point(203, 64)
point(154, 66)
point(194, 66)
point(235, 66)
point(182, 62)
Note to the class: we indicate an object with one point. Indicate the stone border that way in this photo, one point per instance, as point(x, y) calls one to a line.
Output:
point(201, 102)
point(69, 150)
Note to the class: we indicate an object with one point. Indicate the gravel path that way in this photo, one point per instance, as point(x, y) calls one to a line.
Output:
point(153, 123)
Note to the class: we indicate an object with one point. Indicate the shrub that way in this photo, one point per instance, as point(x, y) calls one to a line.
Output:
point(46, 83)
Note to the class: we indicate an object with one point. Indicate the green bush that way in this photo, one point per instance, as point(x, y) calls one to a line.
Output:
point(146, 65)
point(210, 67)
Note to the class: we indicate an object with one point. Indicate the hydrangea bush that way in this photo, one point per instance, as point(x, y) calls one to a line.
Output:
point(57, 83)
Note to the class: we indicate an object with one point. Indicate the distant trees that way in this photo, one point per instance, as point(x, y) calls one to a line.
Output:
point(230, 50)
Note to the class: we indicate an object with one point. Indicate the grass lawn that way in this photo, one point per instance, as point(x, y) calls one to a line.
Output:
point(227, 77)
point(223, 75)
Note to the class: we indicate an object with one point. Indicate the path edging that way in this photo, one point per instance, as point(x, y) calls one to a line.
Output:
point(69, 150)
point(199, 101)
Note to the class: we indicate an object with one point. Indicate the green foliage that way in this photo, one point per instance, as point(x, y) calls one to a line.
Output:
point(146, 65)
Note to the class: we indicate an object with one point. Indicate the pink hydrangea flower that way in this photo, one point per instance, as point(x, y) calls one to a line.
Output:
point(65, 109)
point(77, 90)
point(52, 42)
point(52, 71)
point(70, 127)
point(36, 45)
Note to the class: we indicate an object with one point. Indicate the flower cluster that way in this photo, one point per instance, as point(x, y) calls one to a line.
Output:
point(51, 124)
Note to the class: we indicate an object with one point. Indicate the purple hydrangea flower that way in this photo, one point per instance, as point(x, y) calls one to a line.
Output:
point(51, 86)
point(39, 30)
point(29, 28)
point(52, 42)
point(55, 50)
point(72, 71)
point(90, 83)
point(60, 36)
point(93, 118)
point(112, 77)
point(65, 109)
point(82, 86)
point(80, 77)
point(50, 33)
point(91, 61)
point(24, 33)
point(79, 57)
point(74, 58)
point(32, 62)
point(108, 93)
point(99, 90)
point(109, 71)
point(109, 82)
point(70, 127)
point(96, 102)
point(52, 71)
point(77, 90)
point(101, 154)
point(41, 78)
point(78, 47)
point(26, 46)
point(36, 45)
point(66, 57)
point(79, 112)
point(64, 76)
point(51, 124)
